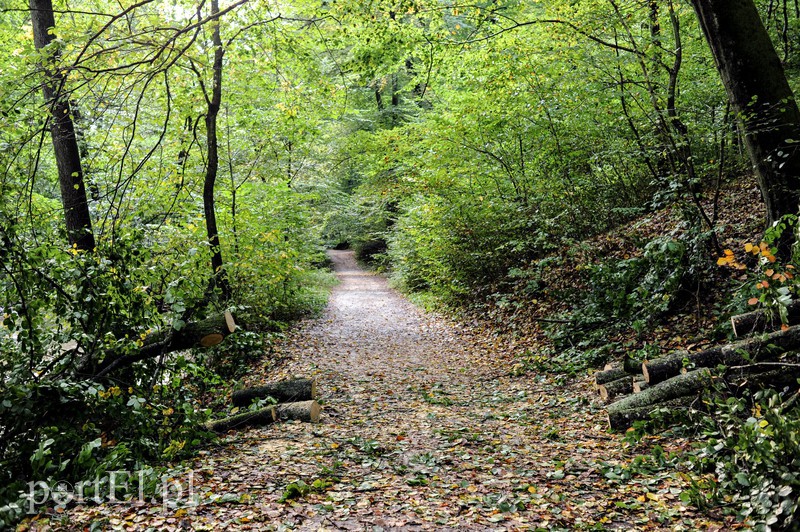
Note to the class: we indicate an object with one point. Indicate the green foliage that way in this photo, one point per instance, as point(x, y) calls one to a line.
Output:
point(753, 450)
point(643, 286)
point(632, 293)
point(771, 283)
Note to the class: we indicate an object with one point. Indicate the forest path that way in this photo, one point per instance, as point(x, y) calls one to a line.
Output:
point(422, 429)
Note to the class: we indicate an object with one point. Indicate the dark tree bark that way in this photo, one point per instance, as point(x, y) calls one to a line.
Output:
point(219, 278)
point(756, 84)
point(62, 130)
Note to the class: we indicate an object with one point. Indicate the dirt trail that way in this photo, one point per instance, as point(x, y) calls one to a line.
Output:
point(422, 429)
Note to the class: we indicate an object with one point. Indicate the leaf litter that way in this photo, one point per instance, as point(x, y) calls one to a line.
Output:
point(422, 429)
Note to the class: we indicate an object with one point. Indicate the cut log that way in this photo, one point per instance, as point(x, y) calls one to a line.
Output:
point(763, 321)
point(681, 386)
point(614, 389)
point(640, 386)
point(630, 366)
point(620, 420)
point(283, 392)
point(603, 377)
point(766, 347)
point(307, 411)
point(263, 416)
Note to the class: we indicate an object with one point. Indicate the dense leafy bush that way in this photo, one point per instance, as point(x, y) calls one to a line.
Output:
point(752, 449)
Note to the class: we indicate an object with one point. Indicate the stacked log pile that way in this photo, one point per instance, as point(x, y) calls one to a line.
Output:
point(676, 382)
point(295, 398)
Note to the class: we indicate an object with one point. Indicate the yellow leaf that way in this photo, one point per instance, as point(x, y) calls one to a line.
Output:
point(752, 301)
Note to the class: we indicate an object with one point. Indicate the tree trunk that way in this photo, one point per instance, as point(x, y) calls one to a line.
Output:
point(283, 391)
point(62, 130)
point(219, 278)
point(767, 347)
point(756, 85)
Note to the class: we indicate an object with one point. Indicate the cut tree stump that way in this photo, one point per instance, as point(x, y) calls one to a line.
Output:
point(763, 321)
point(282, 391)
point(611, 390)
point(263, 416)
point(765, 347)
point(307, 411)
point(620, 420)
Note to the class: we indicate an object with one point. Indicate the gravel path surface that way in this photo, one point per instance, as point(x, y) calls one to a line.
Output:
point(423, 428)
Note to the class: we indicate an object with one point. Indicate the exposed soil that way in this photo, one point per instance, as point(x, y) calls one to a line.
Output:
point(424, 427)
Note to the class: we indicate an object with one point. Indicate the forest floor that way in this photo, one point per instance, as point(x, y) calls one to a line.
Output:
point(423, 428)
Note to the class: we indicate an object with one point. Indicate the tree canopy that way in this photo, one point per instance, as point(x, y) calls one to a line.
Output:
point(162, 163)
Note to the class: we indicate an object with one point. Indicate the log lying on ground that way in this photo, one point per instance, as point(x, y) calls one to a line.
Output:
point(619, 420)
point(611, 390)
point(301, 411)
point(675, 393)
point(263, 416)
point(682, 385)
point(763, 321)
point(282, 391)
point(307, 411)
point(766, 347)
point(640, 386)
point(204, 333)
point(608, 375)
point(630, 366)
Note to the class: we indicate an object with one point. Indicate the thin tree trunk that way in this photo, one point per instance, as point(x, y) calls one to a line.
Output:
point(62, 130)
point(219, 278)
point(756, 84)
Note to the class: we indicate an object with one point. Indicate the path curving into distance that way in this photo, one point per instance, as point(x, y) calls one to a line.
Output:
point(422, 428)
